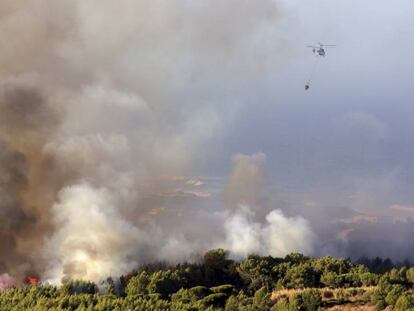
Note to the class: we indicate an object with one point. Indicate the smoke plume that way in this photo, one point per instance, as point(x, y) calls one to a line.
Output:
point(246, 231)
point(277, 237)
point(27, 184)
point(91, 238)
point(101, 108)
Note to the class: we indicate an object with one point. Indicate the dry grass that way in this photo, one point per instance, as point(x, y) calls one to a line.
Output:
point(340, 299)
point(352, 308)
point(284, 293)
point(336, 292)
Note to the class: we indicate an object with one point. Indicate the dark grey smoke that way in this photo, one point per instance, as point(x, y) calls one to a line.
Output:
point(26, 189)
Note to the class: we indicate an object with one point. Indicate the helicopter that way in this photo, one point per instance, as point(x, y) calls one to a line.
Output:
point(320, 50)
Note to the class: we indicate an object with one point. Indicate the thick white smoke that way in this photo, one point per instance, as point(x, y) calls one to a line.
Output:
point(277, 236)
point(246, 233)
point(92, 239)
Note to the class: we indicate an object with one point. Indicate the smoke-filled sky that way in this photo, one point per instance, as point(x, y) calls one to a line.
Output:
point(155, 130)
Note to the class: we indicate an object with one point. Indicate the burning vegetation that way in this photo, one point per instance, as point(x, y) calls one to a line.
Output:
point(32, 281)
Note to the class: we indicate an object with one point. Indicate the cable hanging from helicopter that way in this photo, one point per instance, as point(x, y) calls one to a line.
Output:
point(320, 52)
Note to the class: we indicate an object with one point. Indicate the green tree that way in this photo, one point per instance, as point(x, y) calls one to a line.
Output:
point(78, 287)
point(261, 300)
point(330, 279)
point(311, 299)
point(368, 279)
point(165, 283)
point(296, 258)
point(214, 300)
point(218, 268)
point(231, 304)
point(393, 294)
point(300, 276)
point(227, 289)
point(138, 285)
point(405, 302)
point(110, 288)
point(395, 276)
point(410, 275)
point(257, 272)
point(379, 294)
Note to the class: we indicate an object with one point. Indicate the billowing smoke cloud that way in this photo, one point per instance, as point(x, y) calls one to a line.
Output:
point(246, 232)
point(27, 184)
point(277, 237)
point(130, 112)
point(97, 116)
point(91, 237)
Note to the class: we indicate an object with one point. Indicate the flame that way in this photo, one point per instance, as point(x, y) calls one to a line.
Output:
point(32, 281)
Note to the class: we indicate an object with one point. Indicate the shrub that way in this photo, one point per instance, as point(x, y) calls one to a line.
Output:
point(227, 289)
point(404, 302)
point(215, 300)
point(302, 275)
point(327, 294)
point(165, 283)
point(311, 299)
point(138, 284)
point(79, 287)
point(380, 305)
point(360, 291)
point(340, 295)
point(367, 296)
point(231, 304)
point(369, 279)
point(351, 292)
point(379, 294)
point(284, 305)
point(200, 291)
point(183, 296)
point(330, 279)
point(393, 295)
point(261, 299)
point(294, 303)
point(410, 275)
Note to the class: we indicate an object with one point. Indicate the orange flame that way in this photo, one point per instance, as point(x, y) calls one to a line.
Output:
point(32, 281)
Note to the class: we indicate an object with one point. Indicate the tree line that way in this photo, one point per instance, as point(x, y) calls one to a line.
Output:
point(219, 283)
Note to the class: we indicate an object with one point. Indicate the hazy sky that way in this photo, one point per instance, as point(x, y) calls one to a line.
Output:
point(344, 148)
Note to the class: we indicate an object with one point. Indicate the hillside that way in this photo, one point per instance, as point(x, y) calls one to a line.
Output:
point(295, 282)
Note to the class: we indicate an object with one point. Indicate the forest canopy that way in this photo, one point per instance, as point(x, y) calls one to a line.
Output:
point(295, 282)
